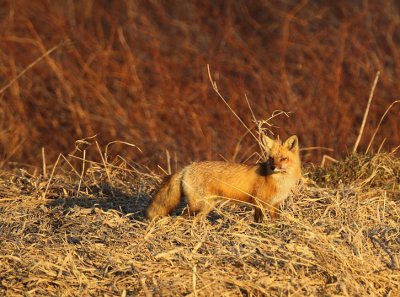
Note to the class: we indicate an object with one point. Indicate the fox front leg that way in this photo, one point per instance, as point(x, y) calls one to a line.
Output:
point(273, 212)
point(259, 213)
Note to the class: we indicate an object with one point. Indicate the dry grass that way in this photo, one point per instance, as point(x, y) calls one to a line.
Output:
point(339, 235)
point(136, 71)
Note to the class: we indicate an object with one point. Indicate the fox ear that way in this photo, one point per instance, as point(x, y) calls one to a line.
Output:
point(267, 142)
point(292, 143)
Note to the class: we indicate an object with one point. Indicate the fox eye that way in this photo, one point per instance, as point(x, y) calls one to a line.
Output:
point(284, 159)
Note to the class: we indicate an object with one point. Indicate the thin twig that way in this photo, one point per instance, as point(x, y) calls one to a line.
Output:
point(104, 160)
point(82, 173)
point(379, 124)
point(214, 85)
point(29, 67)
point(371, 95)
point(51, 177)
point(251, 110)
point(313, 148)
point(44, 163)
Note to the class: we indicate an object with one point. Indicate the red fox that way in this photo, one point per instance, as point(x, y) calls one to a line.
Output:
point(265, 185)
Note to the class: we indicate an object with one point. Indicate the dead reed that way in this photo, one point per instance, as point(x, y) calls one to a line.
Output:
point(136, 71)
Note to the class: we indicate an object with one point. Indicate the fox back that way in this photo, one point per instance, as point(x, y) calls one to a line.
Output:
point(265, 185)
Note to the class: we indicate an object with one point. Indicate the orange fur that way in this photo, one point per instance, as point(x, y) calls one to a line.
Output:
point(204, 184)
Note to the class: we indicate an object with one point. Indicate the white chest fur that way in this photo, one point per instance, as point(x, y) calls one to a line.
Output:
point(284, 184)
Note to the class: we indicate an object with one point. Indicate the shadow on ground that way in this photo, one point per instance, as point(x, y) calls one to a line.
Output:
point(107, 197)
point(132, 202)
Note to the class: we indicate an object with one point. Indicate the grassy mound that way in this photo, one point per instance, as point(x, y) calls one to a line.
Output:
point(338, 235)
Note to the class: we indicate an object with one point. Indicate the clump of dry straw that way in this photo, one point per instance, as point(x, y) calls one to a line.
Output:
point(81, 233)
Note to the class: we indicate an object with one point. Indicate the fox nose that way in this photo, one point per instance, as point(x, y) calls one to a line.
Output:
point(272, 167)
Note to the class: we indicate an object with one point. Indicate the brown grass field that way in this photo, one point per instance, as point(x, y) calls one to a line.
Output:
point(70, 234)
point(100, 99)
point(136, 71)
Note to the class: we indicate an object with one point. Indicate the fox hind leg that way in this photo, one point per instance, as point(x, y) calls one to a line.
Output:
point(199, 205)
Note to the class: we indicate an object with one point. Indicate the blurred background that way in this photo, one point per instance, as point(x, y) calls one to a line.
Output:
point(136, 71)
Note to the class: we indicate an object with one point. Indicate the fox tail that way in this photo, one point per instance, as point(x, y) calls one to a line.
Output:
point(167, 197)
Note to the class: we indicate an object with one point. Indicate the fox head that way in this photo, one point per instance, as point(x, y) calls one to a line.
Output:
point(281, 157)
